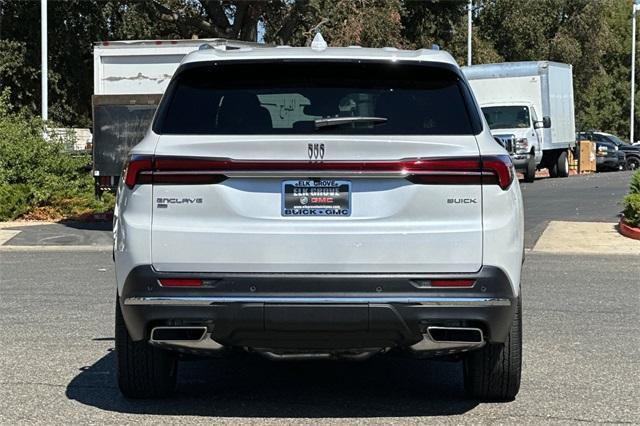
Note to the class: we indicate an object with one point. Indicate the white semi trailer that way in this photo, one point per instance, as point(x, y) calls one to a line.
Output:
point(529, 108)
point(129, 78)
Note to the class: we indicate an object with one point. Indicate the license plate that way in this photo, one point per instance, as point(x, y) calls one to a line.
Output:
point(316, 197)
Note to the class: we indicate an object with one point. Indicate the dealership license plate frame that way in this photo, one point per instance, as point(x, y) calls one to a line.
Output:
point(292, 205)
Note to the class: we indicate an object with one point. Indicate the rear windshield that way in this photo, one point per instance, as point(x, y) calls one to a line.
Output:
point(320, 97)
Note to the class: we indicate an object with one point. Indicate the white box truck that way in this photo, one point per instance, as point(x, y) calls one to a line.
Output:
point(129, 78)
point(529, 109)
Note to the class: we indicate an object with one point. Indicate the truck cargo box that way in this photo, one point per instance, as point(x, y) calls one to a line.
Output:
point(129, 78)
point(547, 85)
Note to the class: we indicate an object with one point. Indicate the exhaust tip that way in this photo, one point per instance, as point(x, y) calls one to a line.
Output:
point(455, 334)
point(163, 334)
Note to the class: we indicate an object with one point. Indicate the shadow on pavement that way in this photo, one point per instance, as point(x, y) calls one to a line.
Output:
point(250, 386)
point(66, 233)
point(87, 226)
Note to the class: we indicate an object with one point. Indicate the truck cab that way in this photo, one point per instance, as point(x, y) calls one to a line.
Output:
point(516, 126)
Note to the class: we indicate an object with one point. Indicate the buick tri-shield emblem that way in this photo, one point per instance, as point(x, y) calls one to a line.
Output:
point(315, 151)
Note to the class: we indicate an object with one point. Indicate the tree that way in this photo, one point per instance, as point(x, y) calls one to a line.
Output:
point(16, 72)
point(371, 23)
point(74, 25)
point(593, 36)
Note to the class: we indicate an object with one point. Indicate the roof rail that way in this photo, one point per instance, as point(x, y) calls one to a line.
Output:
point(222, 47)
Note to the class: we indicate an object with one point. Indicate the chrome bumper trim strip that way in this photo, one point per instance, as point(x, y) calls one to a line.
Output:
point(436, 302)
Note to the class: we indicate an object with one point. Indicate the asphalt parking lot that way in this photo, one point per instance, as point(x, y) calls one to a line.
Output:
point(581, 342)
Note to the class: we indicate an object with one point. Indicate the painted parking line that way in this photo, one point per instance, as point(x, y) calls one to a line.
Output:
point(585, 238)
point(6, 235)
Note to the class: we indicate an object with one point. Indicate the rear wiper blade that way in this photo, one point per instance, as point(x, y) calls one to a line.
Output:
point(339, 121)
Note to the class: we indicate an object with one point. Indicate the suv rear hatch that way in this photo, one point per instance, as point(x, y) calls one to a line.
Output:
point(253, 173)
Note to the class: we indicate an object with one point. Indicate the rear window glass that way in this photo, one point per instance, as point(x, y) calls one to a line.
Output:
point(319, 97)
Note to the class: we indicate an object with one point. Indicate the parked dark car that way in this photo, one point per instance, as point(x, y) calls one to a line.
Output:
point(607, 157)
point(632, 152)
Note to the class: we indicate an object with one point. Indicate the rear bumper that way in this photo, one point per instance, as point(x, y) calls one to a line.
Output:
point(318, 311)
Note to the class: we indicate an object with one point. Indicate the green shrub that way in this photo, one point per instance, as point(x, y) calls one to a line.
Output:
point(634, 186)
point(14, 200)
point(36, 173)
point(632, 210)
point(632, 201)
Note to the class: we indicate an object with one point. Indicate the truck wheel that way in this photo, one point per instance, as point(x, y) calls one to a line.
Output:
point(493, 372)
point(633, 163)
point(530, 172)
point(144, 371)
point(562, 165)
point(550, 161)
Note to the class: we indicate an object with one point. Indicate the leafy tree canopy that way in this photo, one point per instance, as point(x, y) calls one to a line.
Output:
point(593, 36)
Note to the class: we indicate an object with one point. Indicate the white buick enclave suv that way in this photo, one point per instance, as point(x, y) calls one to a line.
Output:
point(319, 202)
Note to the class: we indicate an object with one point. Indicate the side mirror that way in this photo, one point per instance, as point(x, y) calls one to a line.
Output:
point(538, 124)
point(546, 122)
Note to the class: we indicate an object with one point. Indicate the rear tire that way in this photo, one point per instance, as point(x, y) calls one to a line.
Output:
point(530, 172)
point(493, 372)
point(562, 165)
point(144, 371)
point(552, 165)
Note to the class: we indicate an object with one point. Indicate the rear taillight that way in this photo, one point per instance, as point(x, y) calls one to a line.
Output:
point(144, 169)
point(186, 171)
point(137, 164)
point(498, 170)
point(449, 171)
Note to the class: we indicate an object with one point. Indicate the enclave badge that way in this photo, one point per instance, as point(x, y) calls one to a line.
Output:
point(163, 202)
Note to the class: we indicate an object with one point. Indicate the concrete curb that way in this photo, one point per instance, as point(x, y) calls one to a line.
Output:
point(17, 223)
point(55, 248)
point(628, 231)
